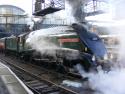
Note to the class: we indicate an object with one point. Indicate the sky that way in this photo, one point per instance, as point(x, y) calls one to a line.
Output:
point(24, 4)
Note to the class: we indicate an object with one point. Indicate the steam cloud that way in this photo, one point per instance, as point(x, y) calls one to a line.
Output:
point(40, 43)
point(77, 9)
point(105, 83)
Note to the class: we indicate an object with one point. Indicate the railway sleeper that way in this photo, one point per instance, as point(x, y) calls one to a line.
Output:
point(37, 84)
point(51, 89)
point(41, 87)
point(32, 82)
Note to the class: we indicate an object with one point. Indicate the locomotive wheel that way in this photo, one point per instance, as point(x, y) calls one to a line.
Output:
point(61, 68)
point(86, 66)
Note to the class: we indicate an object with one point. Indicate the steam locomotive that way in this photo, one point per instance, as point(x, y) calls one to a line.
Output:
point(65, 46)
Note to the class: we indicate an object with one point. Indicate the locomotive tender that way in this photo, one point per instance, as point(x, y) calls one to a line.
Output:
point(72, 45)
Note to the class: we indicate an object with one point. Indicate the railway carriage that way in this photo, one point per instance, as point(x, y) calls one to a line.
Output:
point(2, 44)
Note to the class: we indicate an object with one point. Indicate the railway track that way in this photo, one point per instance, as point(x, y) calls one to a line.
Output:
point(42, 81)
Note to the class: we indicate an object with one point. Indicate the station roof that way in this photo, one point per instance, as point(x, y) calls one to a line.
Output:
point(11, 10)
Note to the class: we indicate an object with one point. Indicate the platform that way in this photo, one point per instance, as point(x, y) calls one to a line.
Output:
point(10, 83)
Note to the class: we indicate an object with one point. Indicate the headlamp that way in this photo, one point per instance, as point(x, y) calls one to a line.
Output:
point(105, 57)
point(93, 58)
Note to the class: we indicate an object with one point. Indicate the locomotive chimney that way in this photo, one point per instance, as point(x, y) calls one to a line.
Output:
point(79, 26)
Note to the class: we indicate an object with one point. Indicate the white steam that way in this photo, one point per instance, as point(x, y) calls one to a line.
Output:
point(46, 42)
point(105, 82)
point(40, 42)
point(72, 83)
point(108, 83)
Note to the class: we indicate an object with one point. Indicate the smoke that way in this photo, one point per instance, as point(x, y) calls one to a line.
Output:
point(72, 13)
point(77, 9)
